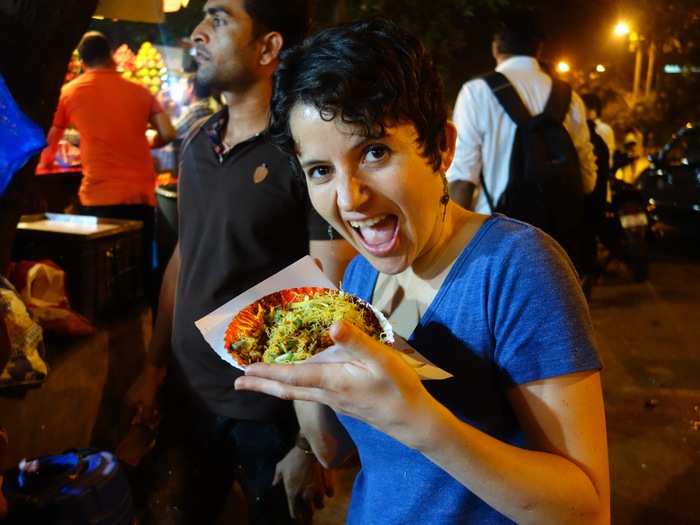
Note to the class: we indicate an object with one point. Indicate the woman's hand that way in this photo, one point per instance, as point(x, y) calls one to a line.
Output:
point(359, 377)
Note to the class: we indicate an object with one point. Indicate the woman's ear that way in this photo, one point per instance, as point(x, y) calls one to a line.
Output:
point(270, 48)
point(449, 153)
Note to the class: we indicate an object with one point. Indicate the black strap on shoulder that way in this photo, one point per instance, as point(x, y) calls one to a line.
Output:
point(508, 97)
point(559, 100)
point(487, 194)
point(512, 104)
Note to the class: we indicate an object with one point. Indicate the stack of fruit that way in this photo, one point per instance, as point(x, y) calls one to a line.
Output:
point(125, 60)
point(150, 67)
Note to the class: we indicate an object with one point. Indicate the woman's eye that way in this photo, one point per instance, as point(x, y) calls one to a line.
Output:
point(217, 21)
point(376, 152)
point(318, 173)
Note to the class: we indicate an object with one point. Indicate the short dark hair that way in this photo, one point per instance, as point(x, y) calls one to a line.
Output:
point(593, 102)
point(290, 18)
point(94, 49)
point(371, 74)
point(519, 32)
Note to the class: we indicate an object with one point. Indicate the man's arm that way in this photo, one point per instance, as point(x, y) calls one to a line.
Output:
point(463, 174)
point(166, 132)
point(49, 153)
point(141, 395)
point(582, 142)
point(333, 257)
point(330, 442)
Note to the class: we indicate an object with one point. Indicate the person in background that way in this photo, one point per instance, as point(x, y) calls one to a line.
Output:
point(594, 202)
point(635, 161)
point(244, 215)
point(594, 110)
point(518, 433)
point(197, 107)
point(501, 163)
point(485, 132)
point(112, 115)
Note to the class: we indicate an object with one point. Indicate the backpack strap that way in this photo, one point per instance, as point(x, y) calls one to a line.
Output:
point(559, 100)
point(512, 104)
point(487, 194)
point(508, 97)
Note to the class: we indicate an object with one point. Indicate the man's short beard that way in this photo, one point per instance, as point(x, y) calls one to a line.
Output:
point(214, 83)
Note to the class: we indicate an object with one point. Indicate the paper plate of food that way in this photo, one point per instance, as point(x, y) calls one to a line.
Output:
point(291, 325)
point(286, 319)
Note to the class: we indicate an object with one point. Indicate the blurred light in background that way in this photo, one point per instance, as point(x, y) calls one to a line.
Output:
point(563, 67)
point(178, 87)
point(170, 6)
point(621, 28)
point(600, 68)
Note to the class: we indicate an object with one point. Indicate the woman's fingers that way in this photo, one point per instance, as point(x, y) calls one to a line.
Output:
point(356, 342)
point(303, 374)
point(281, 390)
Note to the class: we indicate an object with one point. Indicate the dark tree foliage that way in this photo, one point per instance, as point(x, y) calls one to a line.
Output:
point(457, 32)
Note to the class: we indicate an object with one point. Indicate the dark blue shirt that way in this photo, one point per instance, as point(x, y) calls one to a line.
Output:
point(510, 311)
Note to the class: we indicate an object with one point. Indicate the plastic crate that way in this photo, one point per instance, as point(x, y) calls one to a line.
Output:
point(101, 258)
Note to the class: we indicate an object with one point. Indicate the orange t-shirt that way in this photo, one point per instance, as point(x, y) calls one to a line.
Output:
point(112, 115)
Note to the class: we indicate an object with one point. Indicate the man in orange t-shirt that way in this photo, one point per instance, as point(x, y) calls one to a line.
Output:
point(112, 115)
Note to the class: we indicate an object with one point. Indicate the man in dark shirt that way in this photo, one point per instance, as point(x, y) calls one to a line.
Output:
point(244, 215)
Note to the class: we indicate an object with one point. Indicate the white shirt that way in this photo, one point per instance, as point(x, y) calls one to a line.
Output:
point(608, 135)
point(485, 132)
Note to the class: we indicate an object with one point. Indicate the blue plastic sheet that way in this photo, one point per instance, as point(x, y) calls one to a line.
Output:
point(20, 138)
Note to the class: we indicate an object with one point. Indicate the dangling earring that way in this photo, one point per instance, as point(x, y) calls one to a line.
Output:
point(445, 195)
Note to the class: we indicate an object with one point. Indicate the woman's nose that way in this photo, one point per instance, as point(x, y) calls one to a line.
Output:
point(351, 193)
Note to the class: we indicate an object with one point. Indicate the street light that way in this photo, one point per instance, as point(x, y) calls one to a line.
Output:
point(622, 28)
point(600, 68)
point(563, 67)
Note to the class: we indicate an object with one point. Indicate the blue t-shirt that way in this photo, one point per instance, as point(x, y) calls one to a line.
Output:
point(510, 311)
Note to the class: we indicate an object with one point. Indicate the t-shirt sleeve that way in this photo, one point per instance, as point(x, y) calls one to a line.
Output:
point(539, 317)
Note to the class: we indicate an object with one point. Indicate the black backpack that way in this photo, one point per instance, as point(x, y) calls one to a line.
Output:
point(544, 186)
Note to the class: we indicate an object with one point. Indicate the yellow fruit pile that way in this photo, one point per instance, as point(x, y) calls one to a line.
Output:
point(150, 68)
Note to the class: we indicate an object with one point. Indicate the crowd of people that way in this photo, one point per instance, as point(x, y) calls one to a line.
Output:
point(468, 233)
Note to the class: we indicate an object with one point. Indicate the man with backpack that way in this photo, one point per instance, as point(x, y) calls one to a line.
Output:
point(523, 146)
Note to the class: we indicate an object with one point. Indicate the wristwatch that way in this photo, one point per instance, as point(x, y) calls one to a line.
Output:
point(303, 444)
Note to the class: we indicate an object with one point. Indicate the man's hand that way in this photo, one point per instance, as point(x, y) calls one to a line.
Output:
point(306, 483)
point(142, 394)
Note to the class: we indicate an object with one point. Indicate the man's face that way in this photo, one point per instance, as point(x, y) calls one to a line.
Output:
point(225, 46)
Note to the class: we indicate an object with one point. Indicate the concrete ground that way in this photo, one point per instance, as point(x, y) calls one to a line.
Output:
point(648, 335)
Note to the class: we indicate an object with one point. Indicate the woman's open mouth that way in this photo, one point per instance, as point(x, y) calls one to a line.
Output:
point(377, 234)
